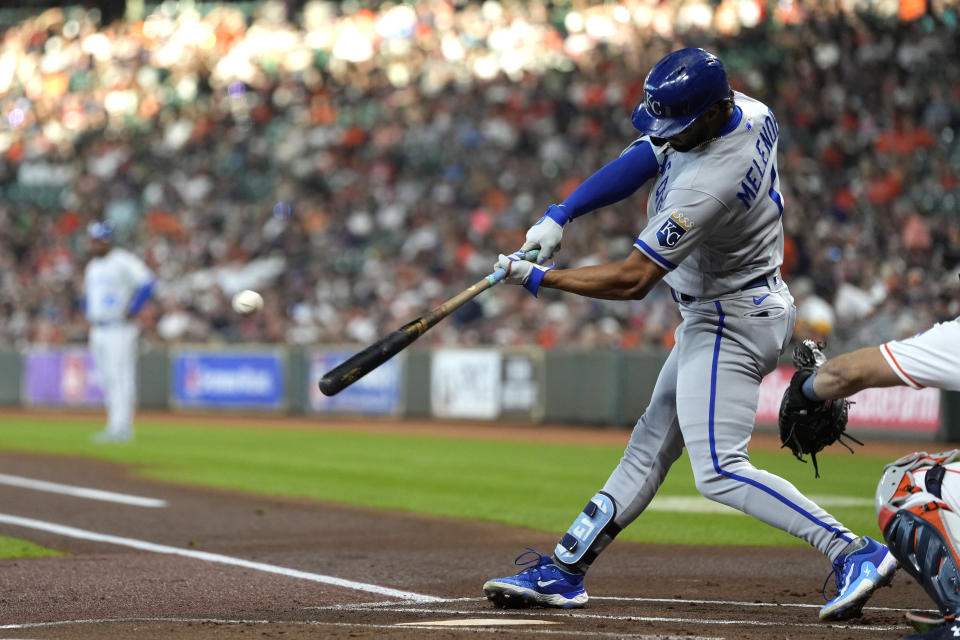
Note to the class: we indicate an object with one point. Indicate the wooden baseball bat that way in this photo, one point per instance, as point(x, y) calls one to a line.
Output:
point(363, 362)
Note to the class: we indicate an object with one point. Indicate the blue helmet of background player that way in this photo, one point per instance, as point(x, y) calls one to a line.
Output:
point(100, 230)
point(678, 90)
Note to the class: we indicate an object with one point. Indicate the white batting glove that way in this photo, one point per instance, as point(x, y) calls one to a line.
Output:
point(521, 271)
point(546, 233)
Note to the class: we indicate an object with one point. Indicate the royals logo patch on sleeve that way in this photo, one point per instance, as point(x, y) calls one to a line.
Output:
point(672, 230)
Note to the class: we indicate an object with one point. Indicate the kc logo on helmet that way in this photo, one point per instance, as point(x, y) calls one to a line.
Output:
point(655, 107)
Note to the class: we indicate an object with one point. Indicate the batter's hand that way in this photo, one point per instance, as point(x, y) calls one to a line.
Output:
point(546, 233)
point(521, 271)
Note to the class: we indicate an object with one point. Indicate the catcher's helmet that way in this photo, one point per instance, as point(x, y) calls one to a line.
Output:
point(678, 90)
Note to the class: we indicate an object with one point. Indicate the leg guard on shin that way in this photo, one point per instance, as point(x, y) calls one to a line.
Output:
point(918, 538)
point(589, 534)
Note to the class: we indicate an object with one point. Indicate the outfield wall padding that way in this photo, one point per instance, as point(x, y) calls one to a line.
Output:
point(950, 426)
point(582, 387)
point(602, 387)
point(153, 379)
point(11, 363)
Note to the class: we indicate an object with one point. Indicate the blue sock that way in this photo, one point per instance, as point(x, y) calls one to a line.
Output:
point(808, 391)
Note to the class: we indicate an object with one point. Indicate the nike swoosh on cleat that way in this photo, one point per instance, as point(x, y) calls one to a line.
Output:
point(547, 583)
point(757, 300)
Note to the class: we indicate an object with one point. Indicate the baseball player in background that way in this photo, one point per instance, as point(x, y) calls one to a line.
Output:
point(117, 285)
point(714, 235)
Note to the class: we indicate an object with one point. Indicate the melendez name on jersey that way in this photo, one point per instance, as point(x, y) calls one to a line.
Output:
point(714, 214)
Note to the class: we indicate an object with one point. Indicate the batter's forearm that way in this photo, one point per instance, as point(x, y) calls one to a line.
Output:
point(605, 281)
point(613, 182)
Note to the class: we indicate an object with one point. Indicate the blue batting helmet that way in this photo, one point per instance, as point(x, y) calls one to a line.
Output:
point(678, 90)
point(100, 231)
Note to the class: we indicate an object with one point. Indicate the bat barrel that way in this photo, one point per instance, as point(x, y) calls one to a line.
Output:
point(360, 364)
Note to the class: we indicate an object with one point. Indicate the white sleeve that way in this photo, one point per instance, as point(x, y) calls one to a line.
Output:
point(138, 272)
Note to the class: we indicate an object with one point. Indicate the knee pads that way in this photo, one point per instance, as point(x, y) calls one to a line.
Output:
point(919, 540)
point(589, 534)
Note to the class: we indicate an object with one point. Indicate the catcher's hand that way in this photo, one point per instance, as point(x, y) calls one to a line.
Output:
point(807, 426)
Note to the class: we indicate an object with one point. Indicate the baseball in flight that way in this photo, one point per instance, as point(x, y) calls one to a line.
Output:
point(247, 301)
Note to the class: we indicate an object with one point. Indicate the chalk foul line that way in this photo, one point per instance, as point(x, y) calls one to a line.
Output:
point(82, 534)
point(364, 625)
point(80, 492)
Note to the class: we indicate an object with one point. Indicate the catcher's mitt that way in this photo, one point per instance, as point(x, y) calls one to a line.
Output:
point(807, 426)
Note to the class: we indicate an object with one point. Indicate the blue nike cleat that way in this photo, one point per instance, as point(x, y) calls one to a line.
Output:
point(859, 573)
point(543, 584)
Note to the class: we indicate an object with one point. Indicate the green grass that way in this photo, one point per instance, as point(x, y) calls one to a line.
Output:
point(542, 486)
point(15, 548)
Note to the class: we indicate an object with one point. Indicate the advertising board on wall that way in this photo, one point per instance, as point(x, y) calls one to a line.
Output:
point(888, 409)
point(60, 377)
point(465, 383)
point(377, 393)
point(519, 388)
point(228, 380)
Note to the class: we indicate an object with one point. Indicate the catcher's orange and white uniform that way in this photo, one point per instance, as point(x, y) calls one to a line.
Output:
point(918, 510)
point(928, 359)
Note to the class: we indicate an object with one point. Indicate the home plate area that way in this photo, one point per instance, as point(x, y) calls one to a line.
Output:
point(216, 564)
point(619, 617)
point(477, 622)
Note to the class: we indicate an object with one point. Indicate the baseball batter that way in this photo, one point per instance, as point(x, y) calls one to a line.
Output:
point(714, 235)
point(117, 285)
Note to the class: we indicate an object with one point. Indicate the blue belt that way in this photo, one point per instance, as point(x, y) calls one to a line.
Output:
point(107, 323)
point(759, 281)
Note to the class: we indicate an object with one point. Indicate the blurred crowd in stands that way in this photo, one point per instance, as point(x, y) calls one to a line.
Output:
point(360, 165)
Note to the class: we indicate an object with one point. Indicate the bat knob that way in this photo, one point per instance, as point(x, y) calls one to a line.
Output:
point(328, 386)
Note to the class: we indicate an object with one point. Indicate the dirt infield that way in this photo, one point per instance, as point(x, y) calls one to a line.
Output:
point(296, 568)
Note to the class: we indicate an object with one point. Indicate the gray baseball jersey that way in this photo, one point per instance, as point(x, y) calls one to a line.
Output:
point(714, 214)
point(714, 224)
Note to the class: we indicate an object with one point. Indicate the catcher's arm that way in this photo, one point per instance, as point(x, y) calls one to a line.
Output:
point(807, 426)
